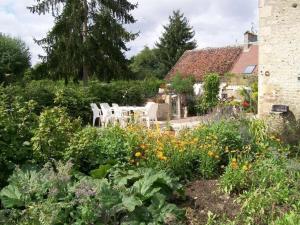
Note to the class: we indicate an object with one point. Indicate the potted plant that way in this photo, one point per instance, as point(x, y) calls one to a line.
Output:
point(169, 130)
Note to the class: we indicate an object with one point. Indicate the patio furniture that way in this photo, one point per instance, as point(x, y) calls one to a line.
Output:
point(119, 115)
point(96, 113)
point(150, 113)
point(107, 115)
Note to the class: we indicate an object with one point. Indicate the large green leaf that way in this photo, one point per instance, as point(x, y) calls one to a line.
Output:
point(101, 172)
point(130, 202)
point(11, 197)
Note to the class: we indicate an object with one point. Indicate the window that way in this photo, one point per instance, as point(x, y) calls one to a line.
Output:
point(249, 69)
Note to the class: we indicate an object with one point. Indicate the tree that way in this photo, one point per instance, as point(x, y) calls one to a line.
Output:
point(88, 38)
point(14, 58)
point(146, 64)
point(176, 39)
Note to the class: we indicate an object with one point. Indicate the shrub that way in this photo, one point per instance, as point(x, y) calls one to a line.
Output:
point(14, 58)
point(182, 85)
point(269, 187)
point(211, 92)
point(55, 196)
point(17, 123)
point(53, 134)
point(75, 100)
point(42, 91)
point(92, 147)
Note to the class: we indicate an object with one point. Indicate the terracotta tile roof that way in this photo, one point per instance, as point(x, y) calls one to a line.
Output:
point(247, 58)
point(200, 62)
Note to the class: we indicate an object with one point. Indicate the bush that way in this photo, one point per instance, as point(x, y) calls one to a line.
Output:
point(56, 196)
point(209, 99)
point(268, 185)
point(14, 58)
point(75, 100)
point(53, 134)
point(43, 92)
point(183, 85)
point(92, 147)
point(17, 123)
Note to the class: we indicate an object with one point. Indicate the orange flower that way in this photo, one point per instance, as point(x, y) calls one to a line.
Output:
point(143, 146)
point(234, 164)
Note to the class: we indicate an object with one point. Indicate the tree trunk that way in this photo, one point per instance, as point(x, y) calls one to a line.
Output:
point(85, 76)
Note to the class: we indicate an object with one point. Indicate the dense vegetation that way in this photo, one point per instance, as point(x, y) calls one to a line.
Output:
point(14, 59)
point(61, 171)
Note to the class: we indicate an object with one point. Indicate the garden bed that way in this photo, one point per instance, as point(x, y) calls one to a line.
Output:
point(205, 198)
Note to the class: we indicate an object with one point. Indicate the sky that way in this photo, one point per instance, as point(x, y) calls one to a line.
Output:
point(215, 22)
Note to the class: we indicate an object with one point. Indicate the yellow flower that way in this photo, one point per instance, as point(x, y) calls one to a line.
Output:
point(159, 154)
point(210, 153)
point(245, 167)
point(163, 158)
point(138, 154)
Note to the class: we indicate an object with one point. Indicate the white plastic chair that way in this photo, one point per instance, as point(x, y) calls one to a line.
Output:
point(96, 113)
point(150, 113)
point(107, 115)
point(119, 115)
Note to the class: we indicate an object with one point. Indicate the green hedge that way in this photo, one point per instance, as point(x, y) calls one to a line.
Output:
point(76, 98)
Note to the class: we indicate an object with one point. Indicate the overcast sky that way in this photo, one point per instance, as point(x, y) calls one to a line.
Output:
point(216, 22)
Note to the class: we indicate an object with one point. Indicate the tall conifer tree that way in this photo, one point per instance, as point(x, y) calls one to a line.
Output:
point(175, 40)
point(88, 38)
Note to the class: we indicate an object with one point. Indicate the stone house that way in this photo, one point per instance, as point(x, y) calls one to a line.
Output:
point(279, 57)
point(241, 60)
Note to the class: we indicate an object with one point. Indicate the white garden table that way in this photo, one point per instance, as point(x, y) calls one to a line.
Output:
point(134, 109)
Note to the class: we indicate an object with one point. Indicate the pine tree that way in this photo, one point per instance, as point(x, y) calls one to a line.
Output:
point(176, 39)
point(88, 38)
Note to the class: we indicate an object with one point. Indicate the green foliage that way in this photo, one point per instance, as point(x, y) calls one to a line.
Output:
point(269, 188)
point(251, 97)
point(146, 64)
point(175, 40)
point(87, 39)
point(17, 123)
point(14, 59)
point(291, 218)
point(53, 134)
point(182, 85)
point(92, 147)
point(55, 196)
point(76, 99)
point(211, 91)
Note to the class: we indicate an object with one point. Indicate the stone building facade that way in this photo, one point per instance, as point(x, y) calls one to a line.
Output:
point(279, 56)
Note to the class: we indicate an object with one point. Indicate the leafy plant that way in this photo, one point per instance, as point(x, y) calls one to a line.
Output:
point(209, 99)
point(56, 195)
point(182, 85)
point(17, 123)
point(90, 147)
point(53, 134)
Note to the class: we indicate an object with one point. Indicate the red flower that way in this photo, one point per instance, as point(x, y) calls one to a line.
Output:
point(245, 104)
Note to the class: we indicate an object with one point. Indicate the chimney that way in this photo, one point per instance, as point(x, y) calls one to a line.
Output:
point(249, 39)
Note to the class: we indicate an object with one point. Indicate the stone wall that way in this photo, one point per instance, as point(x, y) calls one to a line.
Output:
point(279, 55)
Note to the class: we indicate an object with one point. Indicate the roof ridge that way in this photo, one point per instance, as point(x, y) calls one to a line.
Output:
point(215, 48)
